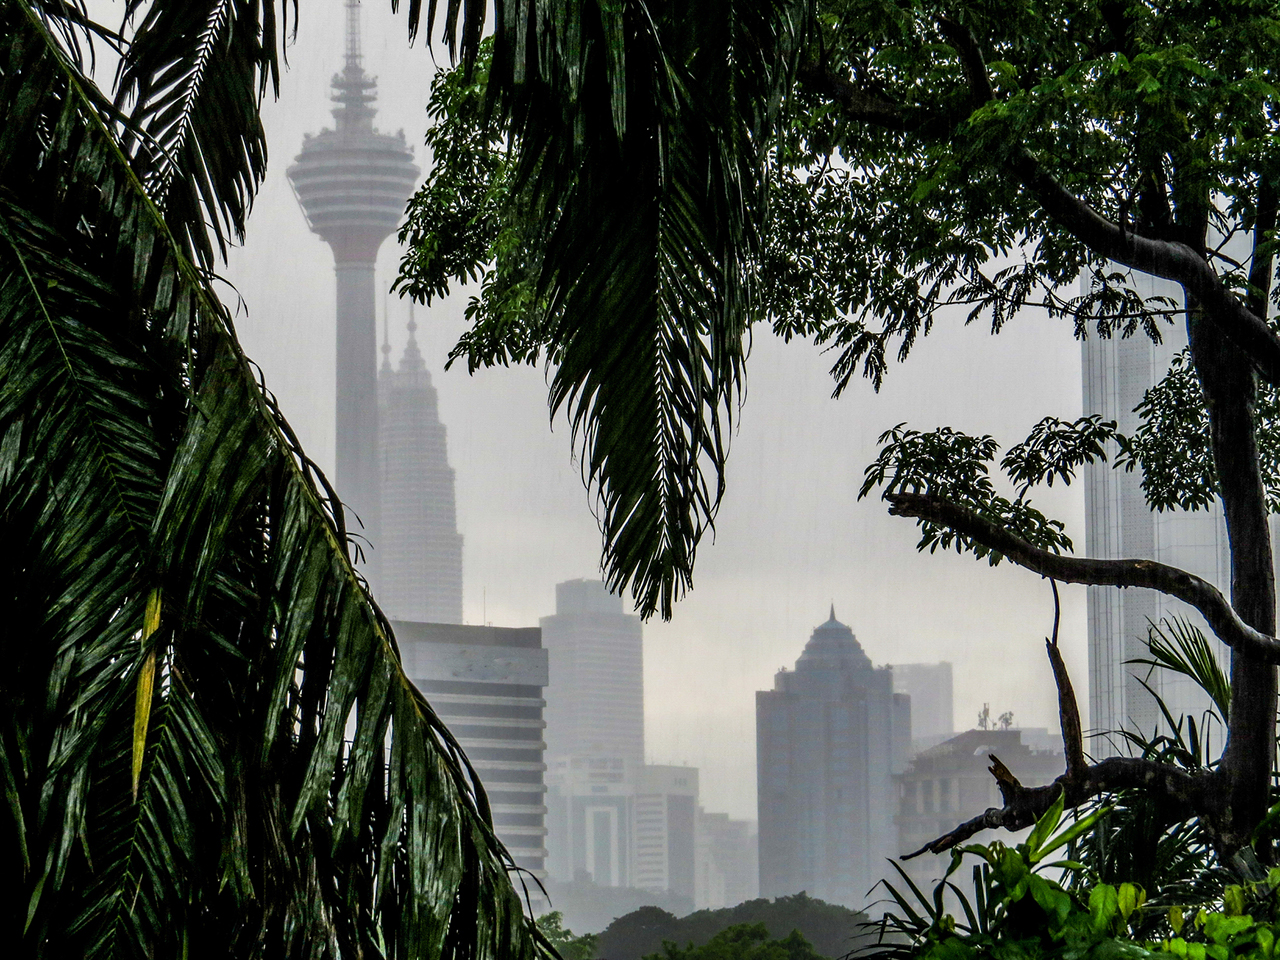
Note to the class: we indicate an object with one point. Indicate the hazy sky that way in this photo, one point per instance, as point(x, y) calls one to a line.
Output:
point(791, 537)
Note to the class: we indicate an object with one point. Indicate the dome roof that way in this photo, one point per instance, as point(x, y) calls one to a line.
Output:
point(833, 644)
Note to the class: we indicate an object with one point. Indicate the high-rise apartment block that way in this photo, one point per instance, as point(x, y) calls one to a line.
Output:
point(929, 686)
point(620, 824)
point(353, 183)
point(829, 737)
point(486, 684)
point(595, 702)
point(728, 867)
point(421, 549)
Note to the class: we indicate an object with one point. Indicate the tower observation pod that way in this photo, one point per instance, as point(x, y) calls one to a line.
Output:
point(353, 183)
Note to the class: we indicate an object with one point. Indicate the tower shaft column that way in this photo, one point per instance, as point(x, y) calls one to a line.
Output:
point(356, 440)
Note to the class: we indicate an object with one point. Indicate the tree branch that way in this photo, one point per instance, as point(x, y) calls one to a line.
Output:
point(856, 103)
point(1168, 259)
point(1199, 593)
point(1068, 709)
point(1187, 794)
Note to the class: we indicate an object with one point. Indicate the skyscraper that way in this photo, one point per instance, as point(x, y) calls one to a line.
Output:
point(486, 684)
point(1118, 523)
point(421, 549)
point(595, 702)
point(829, 737)
point(353, 183)
point(929, 686)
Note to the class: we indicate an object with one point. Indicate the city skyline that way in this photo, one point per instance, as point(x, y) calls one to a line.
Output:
point(782, 549)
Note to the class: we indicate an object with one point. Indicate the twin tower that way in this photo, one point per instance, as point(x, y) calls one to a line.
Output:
point(392, 469)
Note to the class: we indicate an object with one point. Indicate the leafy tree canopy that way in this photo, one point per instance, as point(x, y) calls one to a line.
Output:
point(569, 946)
point(908, 159)
point(832, 930)
point(745, 941)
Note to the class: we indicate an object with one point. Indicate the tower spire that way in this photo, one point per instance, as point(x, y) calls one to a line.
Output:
point(412, 359)
point(352, 89)
point(354, 58)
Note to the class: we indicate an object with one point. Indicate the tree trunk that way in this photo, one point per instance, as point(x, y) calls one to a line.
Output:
point(1227, 379)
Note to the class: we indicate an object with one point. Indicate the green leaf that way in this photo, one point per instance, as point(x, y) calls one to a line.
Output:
point(1104, 906)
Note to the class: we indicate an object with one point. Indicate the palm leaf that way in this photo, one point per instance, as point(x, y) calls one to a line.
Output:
point(639, 139)
point(192, 80)
point(1181, 647)
point(296, 796)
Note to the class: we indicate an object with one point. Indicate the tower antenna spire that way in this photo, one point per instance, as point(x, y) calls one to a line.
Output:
point(354, 57)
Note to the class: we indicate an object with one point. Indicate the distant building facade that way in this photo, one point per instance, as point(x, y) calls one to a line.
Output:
point(1118, 523)
point(421, 549)
point(620, 824)
point(950, 783)
point(929, 685)
point(728, 868)
point(595, 703)
point(486, 684)
point(829, 737)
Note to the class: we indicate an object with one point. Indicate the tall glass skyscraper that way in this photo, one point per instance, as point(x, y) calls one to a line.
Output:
point(1118, 524)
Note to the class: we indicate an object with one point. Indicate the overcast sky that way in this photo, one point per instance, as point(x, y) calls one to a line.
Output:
point(791, 538)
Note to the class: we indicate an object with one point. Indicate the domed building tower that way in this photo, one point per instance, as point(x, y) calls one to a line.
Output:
point(353, 183)
point(829, 737)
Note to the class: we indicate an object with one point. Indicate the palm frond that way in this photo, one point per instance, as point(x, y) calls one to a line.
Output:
point(639, 138)
point(191, 82)
point(1180, 646)
point(297, 797)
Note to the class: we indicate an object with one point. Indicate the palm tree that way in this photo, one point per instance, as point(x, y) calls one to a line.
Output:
point(208, 746)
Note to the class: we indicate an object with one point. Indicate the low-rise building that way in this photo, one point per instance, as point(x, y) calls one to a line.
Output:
point(950, 783)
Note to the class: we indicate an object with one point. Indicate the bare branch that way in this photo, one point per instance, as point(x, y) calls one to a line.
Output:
point(1068, 708)
point(1187, 587)
point(1168, 259)
point(1185, 794)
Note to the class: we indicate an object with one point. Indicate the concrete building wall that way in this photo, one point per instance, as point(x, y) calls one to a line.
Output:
point(595, 702)
point(728, 861)
point(929, 685)
point(949, 783)
point(619, 824)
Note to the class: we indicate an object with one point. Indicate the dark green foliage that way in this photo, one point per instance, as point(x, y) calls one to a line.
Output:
point(746, 941)
point(955, 466)
point(569, 947)
point(1172, 443)
point(1012, 911)
point(832, 930)
point(860, 219)
point(178, 584)
point(191, 83)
